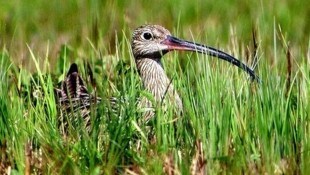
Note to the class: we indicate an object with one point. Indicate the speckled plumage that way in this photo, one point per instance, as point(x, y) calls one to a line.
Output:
point(148, 54)
point(74, 100)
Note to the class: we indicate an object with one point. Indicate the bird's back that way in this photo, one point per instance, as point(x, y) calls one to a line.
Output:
point(74, 101)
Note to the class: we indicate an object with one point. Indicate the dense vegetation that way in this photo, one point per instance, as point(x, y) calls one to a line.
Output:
point(229, 125)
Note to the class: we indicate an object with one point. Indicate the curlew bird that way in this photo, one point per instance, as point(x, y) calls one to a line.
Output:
point(149, 44)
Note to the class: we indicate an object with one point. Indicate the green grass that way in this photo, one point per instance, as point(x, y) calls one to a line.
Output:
point(244, 127)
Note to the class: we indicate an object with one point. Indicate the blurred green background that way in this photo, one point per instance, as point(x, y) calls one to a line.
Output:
point(49, 24)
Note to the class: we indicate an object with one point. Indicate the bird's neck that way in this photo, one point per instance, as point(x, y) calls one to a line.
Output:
point(156, 81)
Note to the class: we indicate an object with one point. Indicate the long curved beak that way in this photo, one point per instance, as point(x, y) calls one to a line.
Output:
point(174, 43)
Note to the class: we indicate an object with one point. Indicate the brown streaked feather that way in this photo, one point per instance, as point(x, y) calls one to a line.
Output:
point(73, 86)
point(154, 78)
point(74, 99)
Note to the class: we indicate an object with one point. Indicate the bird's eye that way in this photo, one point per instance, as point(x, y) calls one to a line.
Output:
point(147, 36)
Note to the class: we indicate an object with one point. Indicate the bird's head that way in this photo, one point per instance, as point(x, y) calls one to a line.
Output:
point(147, 41)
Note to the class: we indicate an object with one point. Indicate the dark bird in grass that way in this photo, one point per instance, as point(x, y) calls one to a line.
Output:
point(74, 100)
point(149, 44)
